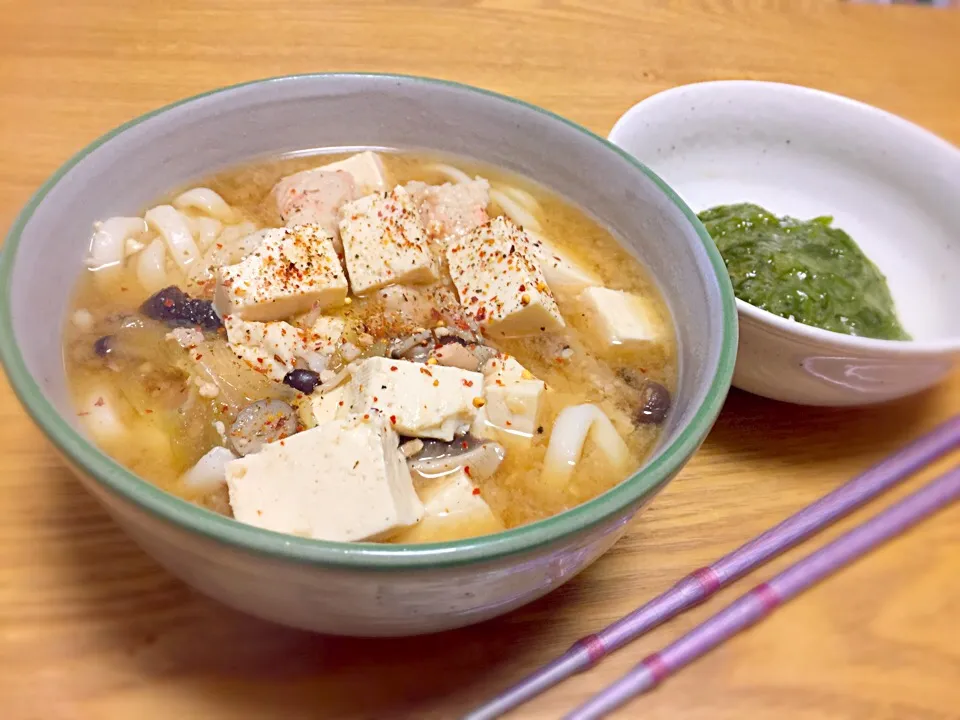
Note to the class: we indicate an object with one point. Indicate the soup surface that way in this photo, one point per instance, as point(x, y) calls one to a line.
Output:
point(388, 346)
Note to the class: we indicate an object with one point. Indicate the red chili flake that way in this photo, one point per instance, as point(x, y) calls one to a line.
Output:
point(148, 411)
point(466, 469)
point(282, 443)
point(522, 288)
point(426, 372)
point(476, 491)
point(393, 368)
point(99, 402)
point(198, 356)
point(509, 423)
point(219, 246)
point(375, 398)
point(224, 408)
point(393, 419)
point(467, 383)
point(366, 416)
point(340, 403)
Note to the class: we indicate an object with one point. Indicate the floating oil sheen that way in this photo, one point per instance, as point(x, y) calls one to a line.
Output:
point(802, 270)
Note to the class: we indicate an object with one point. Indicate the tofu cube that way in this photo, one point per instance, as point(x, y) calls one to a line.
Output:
point(621, 320)
point(453, 509)
point(561, 270)
point(512, 397)
point(269, 348)
point(496, 270)
point(344, 480)
point(292, 270)
point(384, 242)
point(426, 401)
point(367, 171)
point(326, 406)
point(316, 195)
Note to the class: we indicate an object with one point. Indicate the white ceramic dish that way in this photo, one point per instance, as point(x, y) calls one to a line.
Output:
point(359, 588)
point(795, 151)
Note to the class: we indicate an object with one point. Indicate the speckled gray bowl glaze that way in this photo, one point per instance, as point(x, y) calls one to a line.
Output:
point(359, 589)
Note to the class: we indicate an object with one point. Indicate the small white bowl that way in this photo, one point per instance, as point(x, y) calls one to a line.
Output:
point(801, 152)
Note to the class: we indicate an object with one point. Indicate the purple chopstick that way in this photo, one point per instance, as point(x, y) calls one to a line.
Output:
point(767, 597)
point(701, 584)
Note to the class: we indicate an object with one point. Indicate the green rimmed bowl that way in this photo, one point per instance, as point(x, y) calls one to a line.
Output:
point(360, 589)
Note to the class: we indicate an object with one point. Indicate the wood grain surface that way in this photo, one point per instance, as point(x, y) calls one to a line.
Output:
point(90, 627)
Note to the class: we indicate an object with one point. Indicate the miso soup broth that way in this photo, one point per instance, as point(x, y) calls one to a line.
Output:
point(383, 346)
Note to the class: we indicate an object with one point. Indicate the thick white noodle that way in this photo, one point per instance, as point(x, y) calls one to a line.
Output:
point(132, 247)
point(151, 266)
point(205, 200)
point(173, 228)
point(206, 230)
point(570, 431)
point(230, 247)
point(521, 196)
point(454, 175)
point(210, 472)
point(101, 416)
point(514, 211)
point(109, 239)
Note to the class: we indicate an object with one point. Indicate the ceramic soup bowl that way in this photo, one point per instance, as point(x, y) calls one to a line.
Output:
point(361, 589)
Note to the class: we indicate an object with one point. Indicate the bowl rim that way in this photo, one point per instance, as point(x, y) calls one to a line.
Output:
point(83, 454)
point(783, 326)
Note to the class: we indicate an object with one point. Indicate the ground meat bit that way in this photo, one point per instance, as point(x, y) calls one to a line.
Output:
point(175, 308)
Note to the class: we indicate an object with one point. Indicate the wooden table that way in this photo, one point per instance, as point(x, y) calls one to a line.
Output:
point(90, 627)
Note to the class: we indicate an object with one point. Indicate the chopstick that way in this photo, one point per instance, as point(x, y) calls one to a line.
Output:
point(766, 597)
point(701, 584)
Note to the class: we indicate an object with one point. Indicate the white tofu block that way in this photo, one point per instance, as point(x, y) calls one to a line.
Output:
point(512, 395)
point(620, 319)
point(561, 270)
point(427, 401)
point(210, 472)
point(497, 273)
point(367, 171)
point(453, 509)
point(315, 195)
point(326, 406)
point(269, 348)
point(344, 480)
point(384, 242)
point(292, 270)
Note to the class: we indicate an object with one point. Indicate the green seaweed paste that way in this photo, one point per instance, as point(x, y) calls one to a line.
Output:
point(803, 270)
